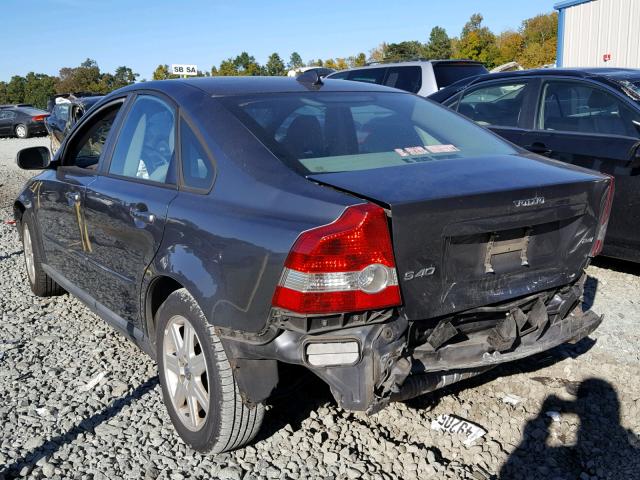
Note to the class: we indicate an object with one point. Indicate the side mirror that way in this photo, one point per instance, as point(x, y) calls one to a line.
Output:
point(33, 158)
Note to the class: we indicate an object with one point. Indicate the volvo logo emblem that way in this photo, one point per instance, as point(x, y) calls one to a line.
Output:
point(529, 202)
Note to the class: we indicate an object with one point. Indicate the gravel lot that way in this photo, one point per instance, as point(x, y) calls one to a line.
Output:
point(52, 426)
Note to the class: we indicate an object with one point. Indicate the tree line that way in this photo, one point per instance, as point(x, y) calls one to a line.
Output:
point(533, 44)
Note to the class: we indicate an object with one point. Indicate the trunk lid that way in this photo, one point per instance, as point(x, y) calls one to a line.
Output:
point(477, 231)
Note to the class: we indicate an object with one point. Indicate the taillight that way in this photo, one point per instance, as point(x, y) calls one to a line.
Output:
point(39, 118)
point(605, 213)
point(345, 266)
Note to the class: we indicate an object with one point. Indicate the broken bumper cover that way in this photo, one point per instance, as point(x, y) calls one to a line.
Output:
point(476, 352)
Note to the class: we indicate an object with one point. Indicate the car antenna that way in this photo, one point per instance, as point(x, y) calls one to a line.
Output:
point(310, 76)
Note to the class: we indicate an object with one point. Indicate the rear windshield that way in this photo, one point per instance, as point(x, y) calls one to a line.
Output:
point(448, 73)
point(346, 131)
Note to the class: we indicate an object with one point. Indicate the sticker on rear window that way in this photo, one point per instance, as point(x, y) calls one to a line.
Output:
point(442, 148)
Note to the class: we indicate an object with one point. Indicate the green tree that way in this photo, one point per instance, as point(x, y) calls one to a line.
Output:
point(359, 60)
point(341, 64)
point(478, 42)
point(228, 68)
point(38, 88)
point(275, 66)
point(439, 46)
point(509, 45)
point(85, 78)
point(123, 76)
point(15, 89)
point(540, 40)
point(162, 73)
point(330, 63)
point(295, 61)
point(396, 52)
point(3, 93)
point(214, 71)
point(246, 65)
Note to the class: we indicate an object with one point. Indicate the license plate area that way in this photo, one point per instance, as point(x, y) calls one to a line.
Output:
point(508, 247)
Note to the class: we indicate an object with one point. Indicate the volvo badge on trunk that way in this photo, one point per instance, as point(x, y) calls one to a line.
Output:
point(529, 202)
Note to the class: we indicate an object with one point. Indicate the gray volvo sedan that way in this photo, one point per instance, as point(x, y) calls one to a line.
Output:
point(230, 226)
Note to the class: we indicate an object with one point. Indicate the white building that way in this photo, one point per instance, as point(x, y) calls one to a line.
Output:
point(598, 33)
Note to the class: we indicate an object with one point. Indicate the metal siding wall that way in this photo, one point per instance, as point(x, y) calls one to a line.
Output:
point(602, 26)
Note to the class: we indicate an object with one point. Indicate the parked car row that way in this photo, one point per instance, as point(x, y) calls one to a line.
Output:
point(385, 243)
point(586, 117)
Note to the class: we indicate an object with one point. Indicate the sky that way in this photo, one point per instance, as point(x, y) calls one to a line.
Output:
point(45, 35)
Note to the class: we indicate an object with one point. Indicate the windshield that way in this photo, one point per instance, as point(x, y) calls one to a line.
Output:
point(342, 131)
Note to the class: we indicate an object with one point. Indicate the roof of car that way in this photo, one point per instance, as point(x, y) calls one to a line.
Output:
point(222, 86)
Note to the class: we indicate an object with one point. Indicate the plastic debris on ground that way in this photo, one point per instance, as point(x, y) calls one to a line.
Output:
point(93, 382)
point(555, 416)
point(511, 399)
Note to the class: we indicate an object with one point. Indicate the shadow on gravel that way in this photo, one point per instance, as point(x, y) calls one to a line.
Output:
point(617, 265)
point(292, 406)
point(527, 365)
point(590, 290)
point(604, 449)
point(87, 425)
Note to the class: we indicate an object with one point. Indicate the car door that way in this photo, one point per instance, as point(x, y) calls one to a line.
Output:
point(5, 122)
point(586, 124)
point(126, 206)
point(60, 196)
point(505, 107)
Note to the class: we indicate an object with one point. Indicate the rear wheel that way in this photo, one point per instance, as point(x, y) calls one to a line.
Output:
point(21, 131)
point(41, 284)
point(198, 387)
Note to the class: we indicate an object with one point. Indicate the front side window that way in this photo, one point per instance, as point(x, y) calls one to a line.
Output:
point(87, 146)
point(197, 171)
point(494, 105)
point(405, 78)
point(145, 146)
point(341, 131)
point(579, 107)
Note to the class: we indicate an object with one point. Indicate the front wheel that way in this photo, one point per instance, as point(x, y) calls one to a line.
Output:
point(198, 387)
point(22, 131)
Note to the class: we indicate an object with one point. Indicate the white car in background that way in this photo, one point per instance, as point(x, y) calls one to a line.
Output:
point(422, 77)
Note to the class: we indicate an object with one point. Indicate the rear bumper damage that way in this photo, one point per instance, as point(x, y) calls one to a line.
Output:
point(369, 365)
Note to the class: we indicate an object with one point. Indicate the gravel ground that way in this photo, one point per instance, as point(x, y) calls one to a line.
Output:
point(52, 426)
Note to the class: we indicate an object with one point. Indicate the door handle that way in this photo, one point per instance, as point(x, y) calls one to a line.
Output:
point(142, 213)
point(539, 148)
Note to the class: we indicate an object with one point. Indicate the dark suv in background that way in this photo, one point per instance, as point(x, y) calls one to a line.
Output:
point(22, 121)
point(586, 117)
point(66, 110)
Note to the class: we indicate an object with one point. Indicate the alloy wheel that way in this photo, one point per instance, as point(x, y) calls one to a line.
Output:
point(21, 131)
point(185, 371)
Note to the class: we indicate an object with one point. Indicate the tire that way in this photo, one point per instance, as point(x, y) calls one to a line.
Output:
point(204, 373)
point(41, 284)
point(22, 131)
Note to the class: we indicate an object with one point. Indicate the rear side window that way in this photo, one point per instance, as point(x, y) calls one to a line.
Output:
point(368, 75)
point(498, 105)
point(578, 107)
point(145, 146)
point(61, 111)
point(405, 78)
point(348, 131)
point(448, 73)
point(197, 171)
point(339, 75)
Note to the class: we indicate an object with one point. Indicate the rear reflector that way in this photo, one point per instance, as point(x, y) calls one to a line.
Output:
point(605, 213)
point(332, 353)
point(345, 266)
